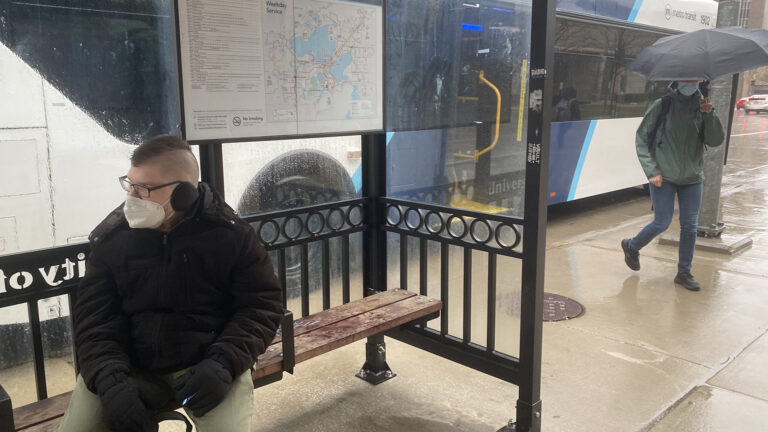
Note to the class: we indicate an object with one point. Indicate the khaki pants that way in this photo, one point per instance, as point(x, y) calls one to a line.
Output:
point(233, 414)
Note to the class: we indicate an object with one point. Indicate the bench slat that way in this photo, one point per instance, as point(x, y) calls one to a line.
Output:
point(341, 312)
point(348, 330)
point(48, 426)
point(27, 416)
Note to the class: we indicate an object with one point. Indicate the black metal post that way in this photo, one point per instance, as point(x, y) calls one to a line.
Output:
point(37, 345)
point(374, 155)
point(6, 412)
point(212, 166)
point(374, 161)
point(375, 370)
point(535, 216)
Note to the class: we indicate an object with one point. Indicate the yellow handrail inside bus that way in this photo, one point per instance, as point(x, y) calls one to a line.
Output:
point(477, 154)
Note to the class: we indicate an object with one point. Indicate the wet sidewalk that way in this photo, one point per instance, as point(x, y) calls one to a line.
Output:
point(647, 355)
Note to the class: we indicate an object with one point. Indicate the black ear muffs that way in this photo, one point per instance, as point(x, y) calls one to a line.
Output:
point(184, 197)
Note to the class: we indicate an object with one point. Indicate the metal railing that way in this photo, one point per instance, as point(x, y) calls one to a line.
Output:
point(280, 231)
point(471, 231)
point(27, 280)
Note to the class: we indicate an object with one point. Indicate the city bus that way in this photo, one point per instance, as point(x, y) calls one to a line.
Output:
point(597, 102)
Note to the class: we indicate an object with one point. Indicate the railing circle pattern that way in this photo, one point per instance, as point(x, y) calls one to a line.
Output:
point(493, 232)
point(281, 229)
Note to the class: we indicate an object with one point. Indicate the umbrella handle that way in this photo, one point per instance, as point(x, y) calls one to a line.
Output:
point(704, 88)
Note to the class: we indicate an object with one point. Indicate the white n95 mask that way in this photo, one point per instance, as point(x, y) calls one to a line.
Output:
point(143, 213)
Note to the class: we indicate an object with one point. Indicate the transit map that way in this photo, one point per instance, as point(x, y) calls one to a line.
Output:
point(279, 67)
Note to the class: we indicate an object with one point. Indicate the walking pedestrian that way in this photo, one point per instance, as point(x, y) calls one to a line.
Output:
point(670, 143)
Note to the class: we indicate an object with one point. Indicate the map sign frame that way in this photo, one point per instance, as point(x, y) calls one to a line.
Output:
point(270, 69)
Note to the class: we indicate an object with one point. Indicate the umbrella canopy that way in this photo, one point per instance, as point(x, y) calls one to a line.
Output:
point(703, 54)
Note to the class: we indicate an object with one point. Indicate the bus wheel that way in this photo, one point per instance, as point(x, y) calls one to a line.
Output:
point(298, 179)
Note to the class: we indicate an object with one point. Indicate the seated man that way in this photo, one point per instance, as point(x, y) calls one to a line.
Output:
point(178, 300)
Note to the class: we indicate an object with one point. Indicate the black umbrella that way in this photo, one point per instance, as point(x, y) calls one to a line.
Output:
point(703, 54)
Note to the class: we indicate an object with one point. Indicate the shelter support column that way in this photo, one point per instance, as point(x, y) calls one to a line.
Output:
point(374, 155)
point(535, 216)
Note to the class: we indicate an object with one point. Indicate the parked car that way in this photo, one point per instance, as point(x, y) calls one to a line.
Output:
point(756, 104)
point(741, 103)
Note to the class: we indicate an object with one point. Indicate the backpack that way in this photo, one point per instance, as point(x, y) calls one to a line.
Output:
point(661, 120)
point(563, 110)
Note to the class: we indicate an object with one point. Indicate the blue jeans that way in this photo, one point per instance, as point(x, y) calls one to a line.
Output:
point(663, 198)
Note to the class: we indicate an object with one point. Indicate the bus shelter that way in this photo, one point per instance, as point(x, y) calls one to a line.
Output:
point(448, 99)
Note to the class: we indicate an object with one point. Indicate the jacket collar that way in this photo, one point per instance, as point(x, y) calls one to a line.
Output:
point(210, 207)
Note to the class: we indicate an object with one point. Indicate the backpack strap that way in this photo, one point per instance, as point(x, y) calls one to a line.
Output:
point(661, 120)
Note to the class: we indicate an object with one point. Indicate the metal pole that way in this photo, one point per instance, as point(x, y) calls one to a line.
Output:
point(535, 215)
point(374, 155)
point(374, 166)
point(212, 166)
point(721, 96)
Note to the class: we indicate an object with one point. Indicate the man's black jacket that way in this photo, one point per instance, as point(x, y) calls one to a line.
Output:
point(163, 302)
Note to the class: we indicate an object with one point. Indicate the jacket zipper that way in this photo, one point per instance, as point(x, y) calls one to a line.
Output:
point(159, 325)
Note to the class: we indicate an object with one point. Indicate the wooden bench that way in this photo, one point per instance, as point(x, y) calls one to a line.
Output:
point(295, 342)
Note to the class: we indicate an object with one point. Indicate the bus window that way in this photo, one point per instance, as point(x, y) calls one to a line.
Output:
point(591, 79)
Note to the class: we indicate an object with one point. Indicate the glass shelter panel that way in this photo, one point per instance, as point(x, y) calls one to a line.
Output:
point(17, 370)
point(56, 330)
point(81, 83)
point(456, 83)
point(273, 176)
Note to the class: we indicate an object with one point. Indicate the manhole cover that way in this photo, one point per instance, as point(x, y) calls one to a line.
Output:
point(558, 308)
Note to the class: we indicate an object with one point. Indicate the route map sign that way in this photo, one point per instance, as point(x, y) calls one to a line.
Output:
point(264, 68)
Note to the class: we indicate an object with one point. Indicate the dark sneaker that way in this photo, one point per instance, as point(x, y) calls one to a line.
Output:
point(631, 257)
point(686, 280)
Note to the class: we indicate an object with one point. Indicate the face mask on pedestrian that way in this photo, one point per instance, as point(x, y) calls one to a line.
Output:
point(144, 213)
point(687, 89)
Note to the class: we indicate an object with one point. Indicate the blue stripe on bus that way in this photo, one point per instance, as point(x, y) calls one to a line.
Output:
point(635, 9)
point(567, 139)
point(357, 177)
point(582, 157)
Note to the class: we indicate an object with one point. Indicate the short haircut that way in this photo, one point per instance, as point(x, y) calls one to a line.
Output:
point(157, 146)
point(173, 153)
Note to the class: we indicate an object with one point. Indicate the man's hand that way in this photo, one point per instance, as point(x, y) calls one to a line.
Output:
point(655, 180)
point(124, 410)
point(203, 386)
point(705, 105)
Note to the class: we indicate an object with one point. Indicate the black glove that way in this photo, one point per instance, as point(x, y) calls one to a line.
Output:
point(154, 393)
point(124, 410)
point(203, 386)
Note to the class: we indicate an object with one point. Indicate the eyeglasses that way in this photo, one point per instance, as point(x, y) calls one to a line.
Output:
point(141, 190)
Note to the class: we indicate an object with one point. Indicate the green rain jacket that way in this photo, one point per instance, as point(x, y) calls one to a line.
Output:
point(679, 150)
